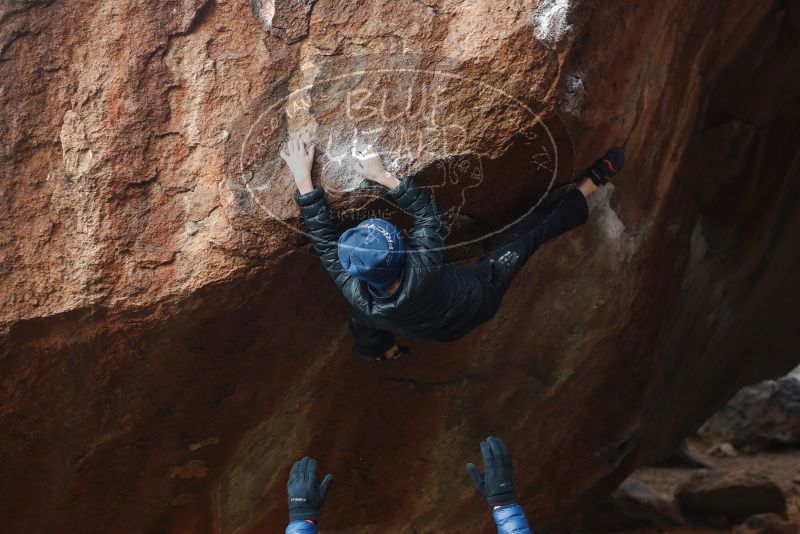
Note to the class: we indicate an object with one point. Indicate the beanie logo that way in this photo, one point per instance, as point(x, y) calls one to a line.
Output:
point(386, 235)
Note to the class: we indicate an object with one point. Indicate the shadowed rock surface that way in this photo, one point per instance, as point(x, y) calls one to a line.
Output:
point(682, 456)
point(168, 343)
point(763, 415)
point(632, 506)
point(767, 524)
point(730, 496)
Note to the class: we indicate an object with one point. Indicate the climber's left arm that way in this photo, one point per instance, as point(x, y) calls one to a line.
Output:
point(427, 235)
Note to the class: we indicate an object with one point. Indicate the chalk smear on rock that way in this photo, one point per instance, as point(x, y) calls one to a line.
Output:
point(574, 95)
point(550, 20)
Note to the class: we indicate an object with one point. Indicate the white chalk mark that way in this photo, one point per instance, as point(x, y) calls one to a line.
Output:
point(574, 96)
point(265, 10)
point(607, 219)
point(550, 20)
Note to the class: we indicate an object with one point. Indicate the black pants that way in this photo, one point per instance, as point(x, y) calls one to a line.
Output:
point(531, 232)
point(524, 237)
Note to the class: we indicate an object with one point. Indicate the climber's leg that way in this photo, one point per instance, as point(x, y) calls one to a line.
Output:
point(544, 224)
point(536, 228)
point(604, 169)
point(371, 344)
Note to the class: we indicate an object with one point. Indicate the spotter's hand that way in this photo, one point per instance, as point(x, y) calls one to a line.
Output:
point(368, 165)
point(299, 157)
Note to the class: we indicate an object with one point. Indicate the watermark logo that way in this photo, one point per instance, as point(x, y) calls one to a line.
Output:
point(435, 122)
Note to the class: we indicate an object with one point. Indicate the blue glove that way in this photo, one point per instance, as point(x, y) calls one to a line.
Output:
point(497, 484)
point(305, 498)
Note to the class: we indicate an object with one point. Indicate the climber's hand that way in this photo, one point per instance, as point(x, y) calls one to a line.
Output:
point(497, 484)
point(368, 165)
point(305, 498)
point(299, 157)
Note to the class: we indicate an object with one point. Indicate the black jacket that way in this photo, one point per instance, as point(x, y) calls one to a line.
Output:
point(435, 301)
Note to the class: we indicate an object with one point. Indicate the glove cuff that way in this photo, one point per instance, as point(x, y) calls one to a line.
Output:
point(502, 499)
point(304, 515)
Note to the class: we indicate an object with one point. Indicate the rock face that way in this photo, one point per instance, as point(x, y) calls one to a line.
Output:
point(759, 416)
point(730, 496)
point(633, 506)
point(767, 524)
point(682, 456)
point(168, 343)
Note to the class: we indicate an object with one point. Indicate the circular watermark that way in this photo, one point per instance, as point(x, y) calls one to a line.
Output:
point(442, 126)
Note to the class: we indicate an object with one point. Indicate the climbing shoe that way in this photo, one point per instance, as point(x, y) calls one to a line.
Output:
point(607, 167)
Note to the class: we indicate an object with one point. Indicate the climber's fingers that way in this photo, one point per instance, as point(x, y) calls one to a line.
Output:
point(361, 152)
point(498, 448)
point(503, 448)
point(488, 454)
point(475, 475)
point(367, 152)
point(310, 151)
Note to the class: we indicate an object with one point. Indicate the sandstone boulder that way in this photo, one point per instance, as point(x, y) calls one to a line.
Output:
point(169, 344)
point(632, 506)
point(767, 524)
point(729, 496)
point(759, 416)
point(682, 456)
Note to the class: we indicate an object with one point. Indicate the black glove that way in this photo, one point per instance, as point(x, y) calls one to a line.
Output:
point(305, 498)
point(497, 485)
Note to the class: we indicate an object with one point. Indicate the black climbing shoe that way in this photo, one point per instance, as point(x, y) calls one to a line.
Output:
point(401, 354)
point(607, 167)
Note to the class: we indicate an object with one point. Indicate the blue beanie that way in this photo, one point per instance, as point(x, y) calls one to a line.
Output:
point(373, 252)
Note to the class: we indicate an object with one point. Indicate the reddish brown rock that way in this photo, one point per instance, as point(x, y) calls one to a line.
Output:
point(730, 495)
point(682, 456)
point(168, 345)
point(633, 506)
point(758, 417)
point(767, 524)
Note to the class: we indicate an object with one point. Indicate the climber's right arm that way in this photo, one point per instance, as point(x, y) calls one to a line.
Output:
point(315, 210)
point(299, 158)
point(323, 232)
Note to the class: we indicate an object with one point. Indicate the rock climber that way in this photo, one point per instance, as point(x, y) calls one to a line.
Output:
point(496, 484)
point(406, 288)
